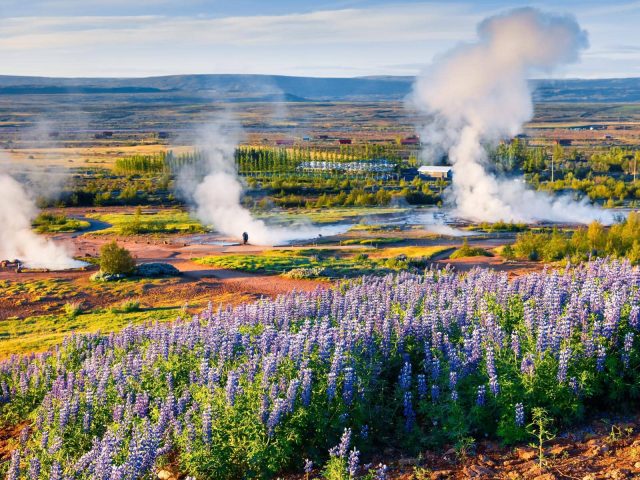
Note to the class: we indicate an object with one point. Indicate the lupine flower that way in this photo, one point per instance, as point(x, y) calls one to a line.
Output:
point(381, 472)
point(308, 466)
point(481, 395)
point(14, 466)
point(353, 464)
point(563, 364)
point(409, 414)
point(342, 448)
point(519, 414)
point(527, 367)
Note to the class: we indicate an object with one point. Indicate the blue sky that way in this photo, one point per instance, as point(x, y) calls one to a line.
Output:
point(316, 38)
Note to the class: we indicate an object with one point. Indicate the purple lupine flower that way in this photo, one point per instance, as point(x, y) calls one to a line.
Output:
point(381, 472)
point(563, 364)
point(348, 385)
point(342, 448)
point(308, 466)
point(435, 393)
point(353, 464)
point(601, 355)
point(232, 387)
point(14, 466)
point(519, 414)
point(331, 386)
point(515, 344)
point(307, 378)
point(453, 380)
point(409, 414)
point(56, 471)
point(480, 398)
point(634, 317)
point(627, 346)
point(527, 367)
point(404, 380)
point(277, 410)
point(364, 432)
point(422, 386)
point(34, 468)
point(206, 424)
point(575, 387)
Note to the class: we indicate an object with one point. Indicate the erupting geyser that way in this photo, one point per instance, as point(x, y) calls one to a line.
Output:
point(478, 94)
point(217, 196)
point(17, 239)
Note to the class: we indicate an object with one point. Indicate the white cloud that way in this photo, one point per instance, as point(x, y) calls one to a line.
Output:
point(386, 39)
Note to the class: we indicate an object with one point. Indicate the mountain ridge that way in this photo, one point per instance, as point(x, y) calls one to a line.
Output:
point(273, 88)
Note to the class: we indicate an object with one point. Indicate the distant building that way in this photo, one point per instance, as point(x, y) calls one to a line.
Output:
point(564, 142)
point(371, 166)
point(105, 134)
point(344, 141)
point(163, 134)
point(285, 142)
point(412, 140)
point(435, 171)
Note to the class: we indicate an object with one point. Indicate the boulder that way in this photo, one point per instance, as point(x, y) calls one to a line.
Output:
point(107, 277)
point(157, 269)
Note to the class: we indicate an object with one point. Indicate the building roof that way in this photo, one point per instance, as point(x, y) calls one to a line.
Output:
point(434, 168)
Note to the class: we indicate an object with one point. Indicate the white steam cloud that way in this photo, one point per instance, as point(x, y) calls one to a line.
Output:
point(18, 240)
point(217, 196)
point(478, 94)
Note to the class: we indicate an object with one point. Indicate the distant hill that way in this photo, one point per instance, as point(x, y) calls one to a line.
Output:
point(271, 88)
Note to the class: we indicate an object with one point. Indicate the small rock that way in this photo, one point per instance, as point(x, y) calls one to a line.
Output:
point(545, 476)
point(637, 465)
point(164, 475)
point(527, 454)
point(157, 269)
point(440, 474)
point(407, 462)
point(480, 471)
point(557, 450)
point(589, 476)
point(619, 474)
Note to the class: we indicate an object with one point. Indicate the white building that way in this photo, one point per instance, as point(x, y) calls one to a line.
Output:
point(435, 171)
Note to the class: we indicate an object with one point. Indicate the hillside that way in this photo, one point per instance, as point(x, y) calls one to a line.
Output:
point(237, 87)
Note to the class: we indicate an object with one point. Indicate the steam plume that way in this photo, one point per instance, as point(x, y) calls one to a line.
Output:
point(217, 196)
point(479, 94)
point(17, 239)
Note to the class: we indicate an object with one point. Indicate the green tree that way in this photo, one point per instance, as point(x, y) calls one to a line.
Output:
point(115, 259)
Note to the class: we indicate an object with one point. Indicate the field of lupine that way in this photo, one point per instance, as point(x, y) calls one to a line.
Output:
point(410, 361)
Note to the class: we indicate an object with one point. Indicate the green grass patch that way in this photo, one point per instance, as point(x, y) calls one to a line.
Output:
point(372, 241)
point(52, 223)
point(499, 226)
point(36, 334)
point(326, 263)
point(139, 222)
point(329, 215)
point(468, 251)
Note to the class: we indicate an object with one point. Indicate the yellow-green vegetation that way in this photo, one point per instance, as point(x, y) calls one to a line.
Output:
point(156, 222)
point(427, 252)
point(116, 260)
point(326, 263)
point(467, 250)
point(54, 223)
point(35, 334)
point(371, 241)
point(67, 289)
point(499, 226)
point(621, 240)
point(37, 289)
point(330, 215)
